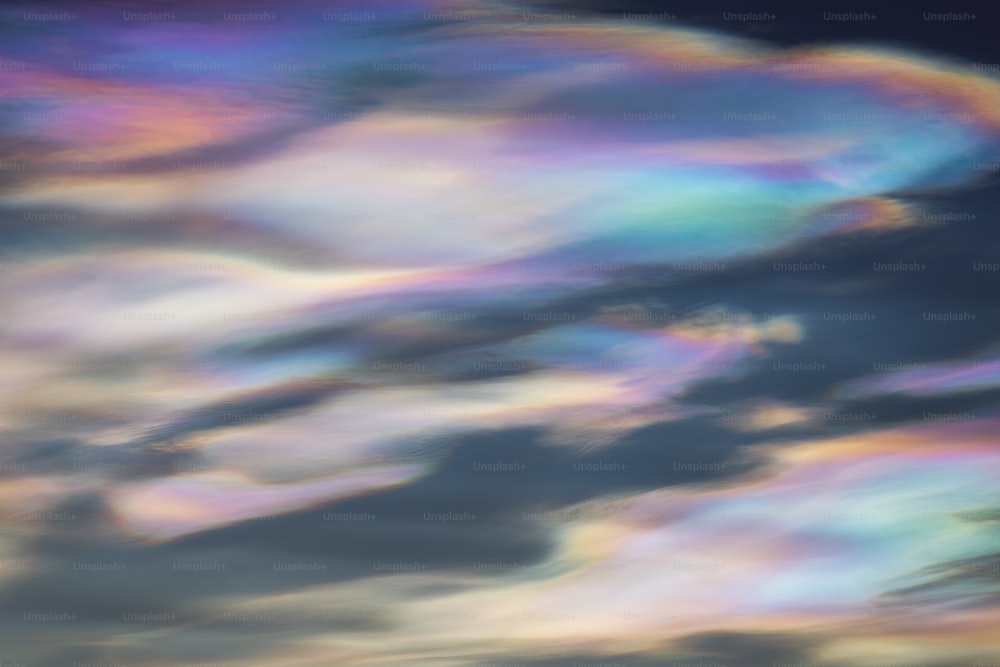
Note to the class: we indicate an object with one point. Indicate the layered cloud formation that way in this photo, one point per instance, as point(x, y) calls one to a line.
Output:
point(429, 333)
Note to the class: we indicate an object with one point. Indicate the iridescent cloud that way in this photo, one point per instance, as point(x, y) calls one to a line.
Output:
point(264, 263)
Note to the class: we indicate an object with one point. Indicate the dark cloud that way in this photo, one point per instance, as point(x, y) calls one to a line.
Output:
point(742, 649)
point(275, 402)
point(967, 582)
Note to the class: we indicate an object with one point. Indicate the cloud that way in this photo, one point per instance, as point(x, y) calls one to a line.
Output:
point(429, 332)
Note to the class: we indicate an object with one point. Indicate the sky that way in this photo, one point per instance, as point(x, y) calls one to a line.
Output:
point(447, 333)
